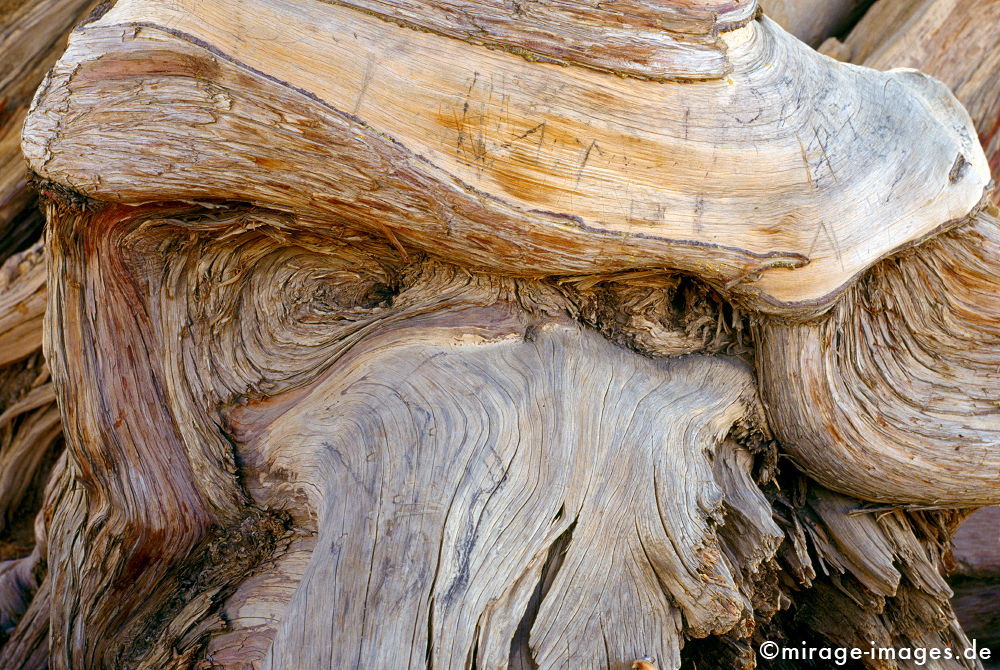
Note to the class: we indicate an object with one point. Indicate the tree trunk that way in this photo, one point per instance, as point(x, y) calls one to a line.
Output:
point(454, 335)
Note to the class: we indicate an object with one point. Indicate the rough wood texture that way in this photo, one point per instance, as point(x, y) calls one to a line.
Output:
point(22, 304)
point(951, 40)
point(474, 498)
point(899, 408)
point(763, 183)
point(441, 470)
point(381, 348)
point(32, 36)
point(494, 481)
point(639, 38)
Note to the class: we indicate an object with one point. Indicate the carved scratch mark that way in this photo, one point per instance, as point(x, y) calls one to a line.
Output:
point(586, 157)
point(365, 81)
point(805, 163)
point(822, 227)
point(826, 156)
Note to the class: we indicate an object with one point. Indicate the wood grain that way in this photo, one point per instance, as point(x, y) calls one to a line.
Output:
point(414, 336)
point(32, 37)
point(952, 41)
point(893, 396)
point(766, 184)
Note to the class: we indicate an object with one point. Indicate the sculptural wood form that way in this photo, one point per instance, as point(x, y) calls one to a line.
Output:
point(459, 334)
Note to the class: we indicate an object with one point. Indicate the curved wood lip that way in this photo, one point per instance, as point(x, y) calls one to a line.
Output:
point(741, 284)
point(732, 17)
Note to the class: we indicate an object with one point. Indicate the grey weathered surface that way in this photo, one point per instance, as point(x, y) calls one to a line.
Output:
point(453, 498)
point(345, 382)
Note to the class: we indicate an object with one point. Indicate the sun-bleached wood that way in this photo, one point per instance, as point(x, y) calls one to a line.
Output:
point(304, 428)
point(894, 395)
point(764, 183)
point(644, 39)
point(910, 382)
point(510, 451)
point(950, 40)
point(451, 499)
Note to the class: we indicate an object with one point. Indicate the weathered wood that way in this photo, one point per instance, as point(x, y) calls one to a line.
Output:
point(472, 496)
point(812, 21)
point(372, 349)
point(32, 36)
point(762, 183)
point(22, 304)
point(451, 463)
point(950, 40)
point(894, 395)
point(642, 38)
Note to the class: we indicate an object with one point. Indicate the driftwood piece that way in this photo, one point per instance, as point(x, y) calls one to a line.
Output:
point(415, 495)
point(415, 362)
point(477, 499)
point(762, 183)
point(951, 40)
point(644, 39)
point(896, 395)
point(330, 308)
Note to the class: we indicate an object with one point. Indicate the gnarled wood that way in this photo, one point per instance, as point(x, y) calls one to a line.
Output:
point(382, 339)
point(895, 394)
point(32, 36)
point(764, 183)
point(952, 41)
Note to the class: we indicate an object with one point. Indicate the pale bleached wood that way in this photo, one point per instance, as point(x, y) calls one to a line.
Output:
point(951, 40)
point(644, 39)
point(461, 386)
point(887, 580)
point(450, 499)
point(266, 321)
point(244, 382)
point(773, 184)
point(893, 396)
point(276, 342)
point(921, 387)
